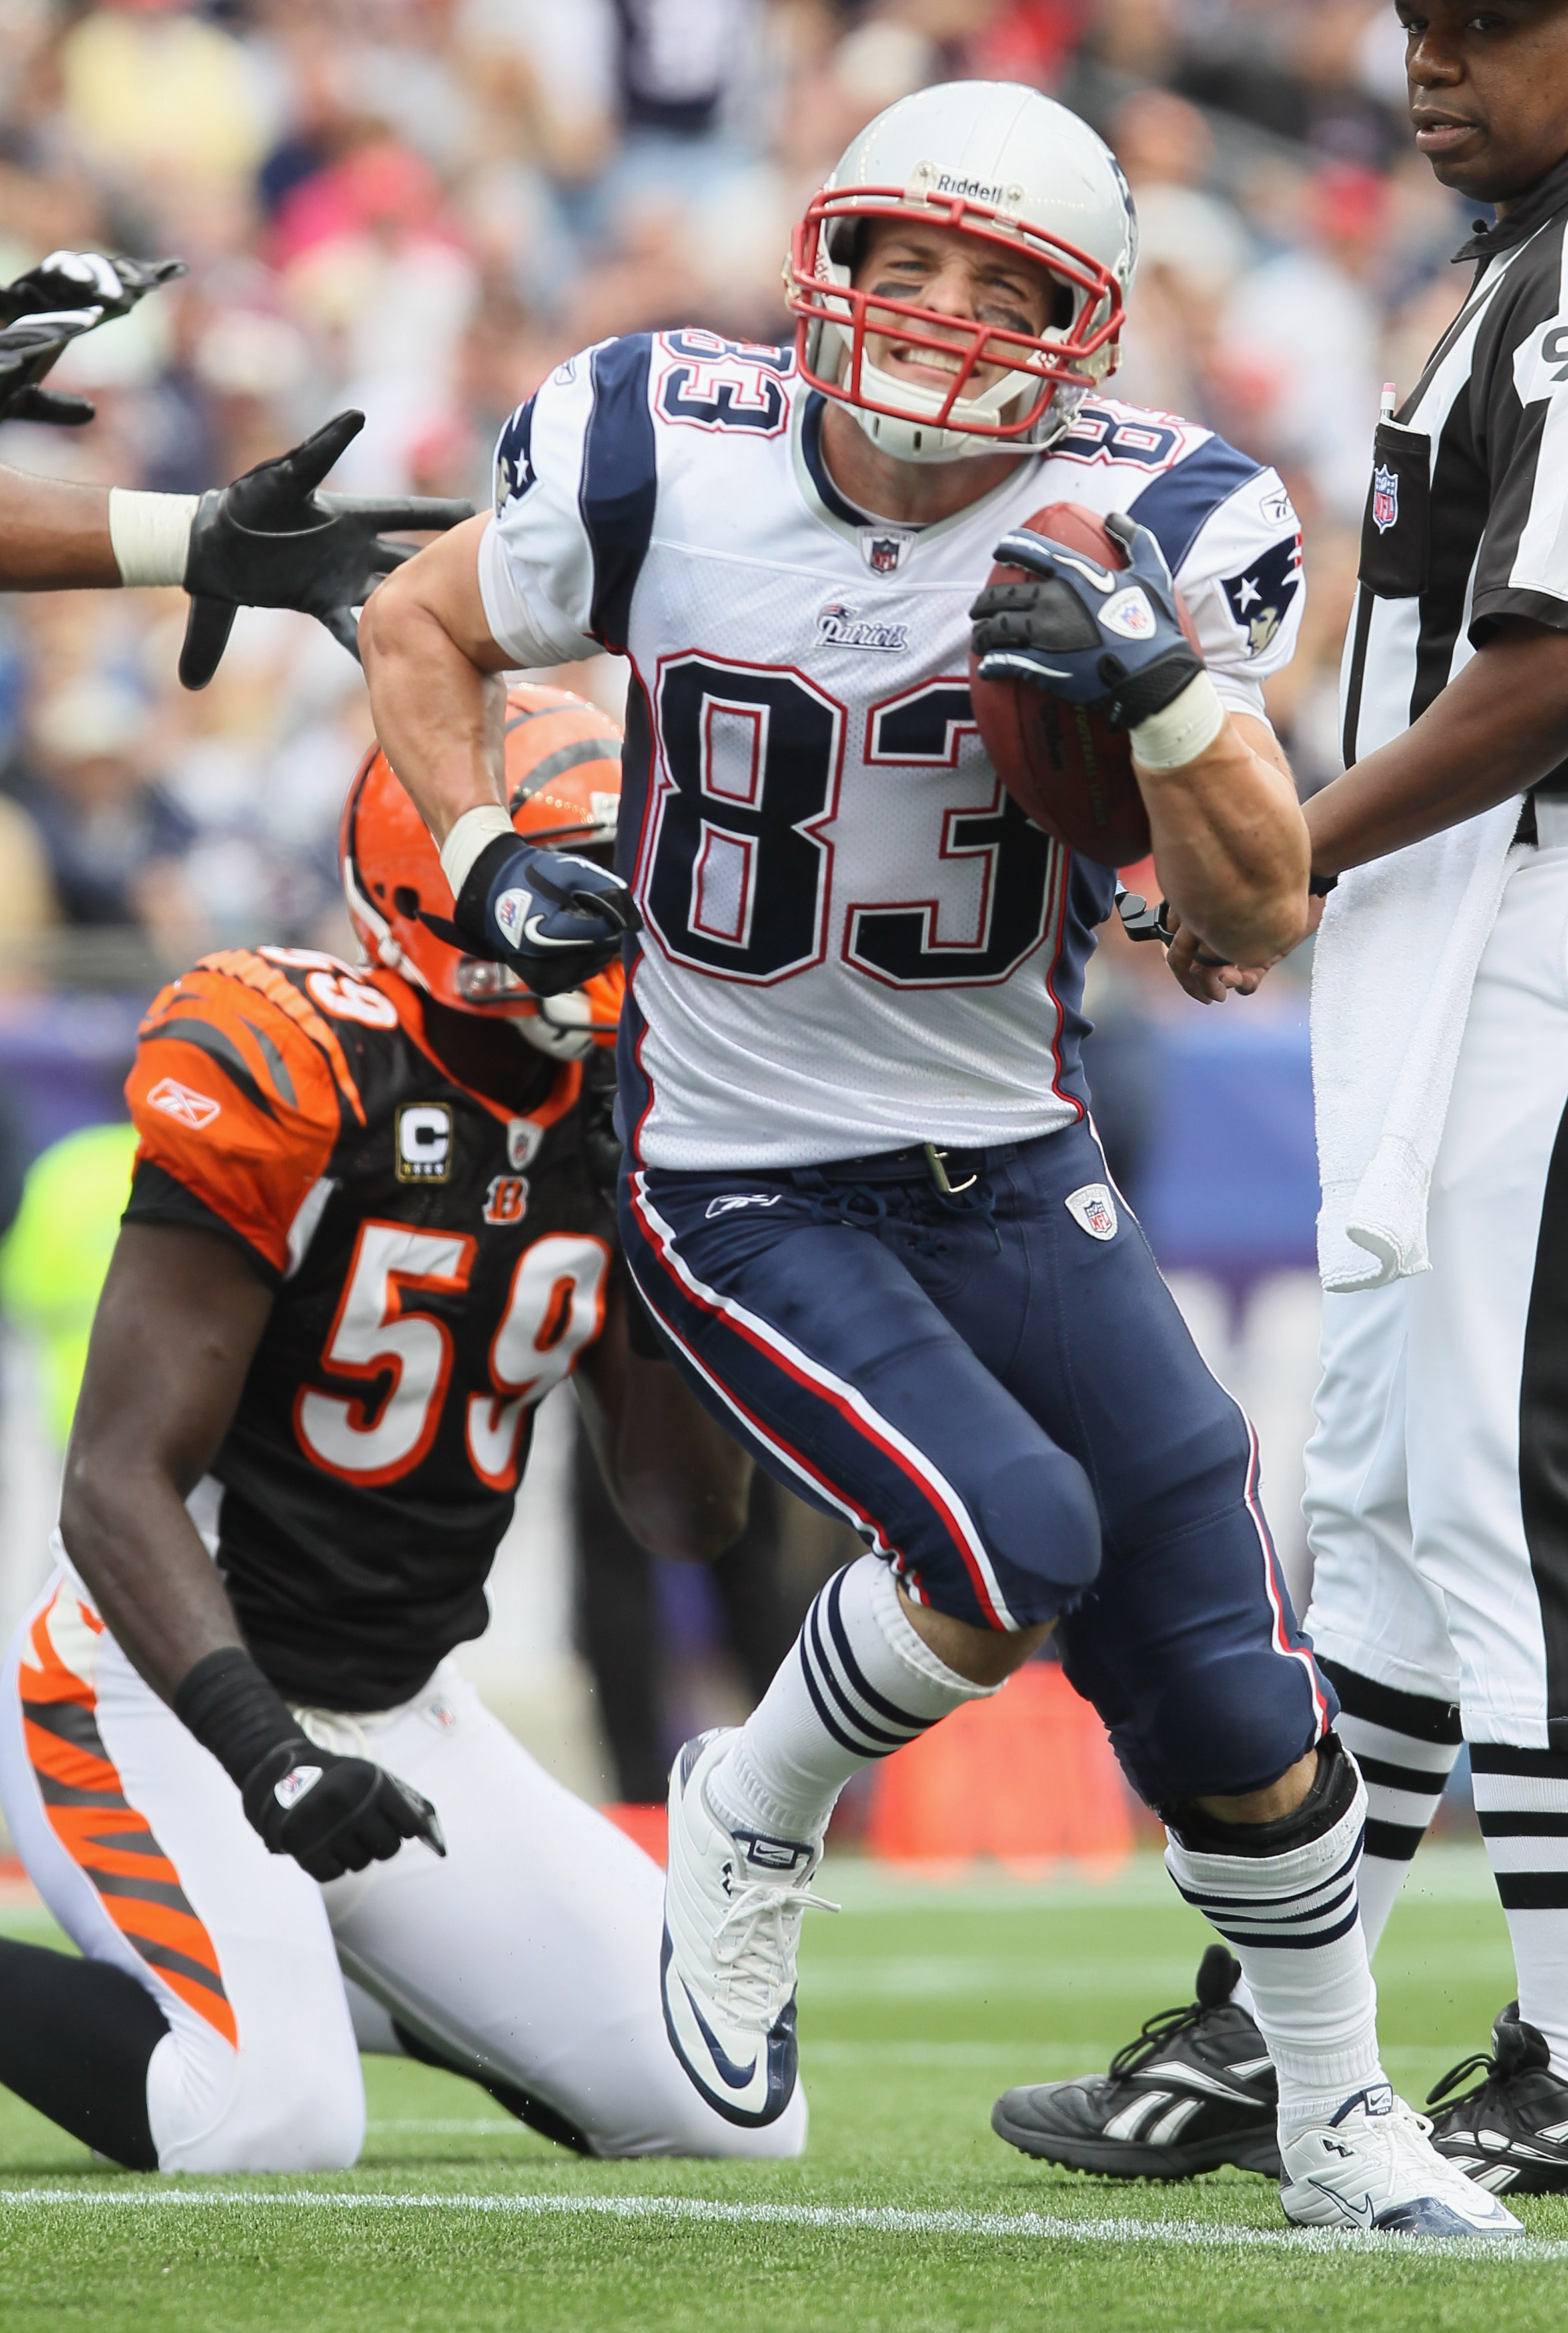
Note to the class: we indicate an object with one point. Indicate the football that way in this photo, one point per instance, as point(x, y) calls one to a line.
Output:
point(1064, 764)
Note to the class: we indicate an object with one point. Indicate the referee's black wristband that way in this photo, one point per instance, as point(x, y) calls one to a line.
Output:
point(1318, 886)
point(233, 1712)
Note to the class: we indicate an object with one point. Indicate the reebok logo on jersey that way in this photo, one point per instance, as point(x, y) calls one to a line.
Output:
point(841, 625)
point(733, 1199)
point(191, 1109)
point(424, 1142)
point(1093, 1207)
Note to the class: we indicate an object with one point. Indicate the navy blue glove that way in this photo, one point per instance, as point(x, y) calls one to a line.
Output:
point(555, 919)
point(1102, 635)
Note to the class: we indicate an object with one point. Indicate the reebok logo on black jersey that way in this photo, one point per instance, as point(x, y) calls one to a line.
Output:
point(424, 1139)
point(1259, 596)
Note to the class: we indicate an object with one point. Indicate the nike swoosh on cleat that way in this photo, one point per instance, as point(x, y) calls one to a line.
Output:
point(1359, 2215)
point(737, 2076)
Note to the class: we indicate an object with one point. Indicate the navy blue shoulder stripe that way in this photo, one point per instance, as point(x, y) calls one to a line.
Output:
point(619, 484)
point(1176, 503)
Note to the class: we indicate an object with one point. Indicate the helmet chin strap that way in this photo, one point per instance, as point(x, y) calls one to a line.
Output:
point(907, 438)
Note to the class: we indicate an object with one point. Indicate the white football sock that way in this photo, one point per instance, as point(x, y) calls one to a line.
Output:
point(1521, 1801)
point(1405, 1744)
point(858, 1684)
point(1315, 2002)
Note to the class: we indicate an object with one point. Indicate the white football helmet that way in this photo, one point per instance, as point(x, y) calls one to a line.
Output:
point(1010, 167)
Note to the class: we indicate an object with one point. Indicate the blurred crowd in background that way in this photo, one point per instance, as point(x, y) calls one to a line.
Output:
point(418, 207)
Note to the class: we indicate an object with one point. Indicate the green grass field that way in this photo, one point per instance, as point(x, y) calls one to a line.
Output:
point(917, 2006)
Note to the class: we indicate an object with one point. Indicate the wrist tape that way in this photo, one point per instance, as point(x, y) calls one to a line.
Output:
point(149, 534)
point(1189, 724)
point(474, 831)
point(233, 1712)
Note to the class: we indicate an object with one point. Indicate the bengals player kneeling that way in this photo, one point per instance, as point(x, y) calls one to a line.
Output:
point(366, 1235)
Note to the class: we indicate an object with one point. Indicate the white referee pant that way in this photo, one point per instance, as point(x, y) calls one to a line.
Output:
point(530, 1951)
point(1437, 1480)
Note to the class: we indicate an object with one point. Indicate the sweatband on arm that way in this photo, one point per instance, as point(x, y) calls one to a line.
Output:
point(234, 1712)
point(149, 534)
point(1187, 727)
point(474, 831)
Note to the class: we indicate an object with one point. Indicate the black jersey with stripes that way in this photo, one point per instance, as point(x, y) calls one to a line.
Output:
point(413, 1185)
point(852, 938)
point(1464, 524)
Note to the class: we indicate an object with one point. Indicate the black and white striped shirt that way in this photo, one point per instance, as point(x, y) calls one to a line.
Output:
point(1467, 518)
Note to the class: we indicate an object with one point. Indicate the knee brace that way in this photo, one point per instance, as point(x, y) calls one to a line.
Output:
point(1333, 1794)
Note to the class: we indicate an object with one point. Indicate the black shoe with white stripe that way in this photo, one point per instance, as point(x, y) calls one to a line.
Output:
point(1195, 2091)
point(1510, 2133)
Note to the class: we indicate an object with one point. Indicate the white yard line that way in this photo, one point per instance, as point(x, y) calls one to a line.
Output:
point(874, 2220)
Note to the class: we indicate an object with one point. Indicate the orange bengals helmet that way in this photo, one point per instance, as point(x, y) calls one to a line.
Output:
point(563, 787)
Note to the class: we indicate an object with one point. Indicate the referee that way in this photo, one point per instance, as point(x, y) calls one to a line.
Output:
point(1436, 1482)
point(266, 540)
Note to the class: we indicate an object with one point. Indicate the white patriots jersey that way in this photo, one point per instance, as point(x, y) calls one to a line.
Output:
point(853, 938)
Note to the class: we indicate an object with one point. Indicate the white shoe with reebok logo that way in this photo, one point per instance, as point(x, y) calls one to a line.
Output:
point(1373, 2167)
point(733, 1908)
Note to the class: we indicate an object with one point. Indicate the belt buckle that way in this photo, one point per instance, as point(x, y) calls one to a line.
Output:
point(933, 1159)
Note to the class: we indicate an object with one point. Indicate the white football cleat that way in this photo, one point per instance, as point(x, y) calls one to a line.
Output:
point(1374, 2168)
point(732, 1907)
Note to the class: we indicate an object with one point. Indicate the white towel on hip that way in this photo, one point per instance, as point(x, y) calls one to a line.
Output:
point(1391, 976)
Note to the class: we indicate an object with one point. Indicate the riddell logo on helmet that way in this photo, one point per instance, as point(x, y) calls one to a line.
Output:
point(927, 180)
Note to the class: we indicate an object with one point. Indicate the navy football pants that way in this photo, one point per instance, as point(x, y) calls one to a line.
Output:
point(1011, 1410)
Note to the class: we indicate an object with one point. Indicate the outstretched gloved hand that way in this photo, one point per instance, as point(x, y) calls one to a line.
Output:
point(269, 540)
point(42, 312)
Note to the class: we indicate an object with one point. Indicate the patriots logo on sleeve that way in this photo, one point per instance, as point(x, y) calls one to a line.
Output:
point(1260, 595)
point(514, 472)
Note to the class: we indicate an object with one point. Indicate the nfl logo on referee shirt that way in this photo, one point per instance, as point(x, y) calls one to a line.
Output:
point(1094, 1209)
point(1386, 498)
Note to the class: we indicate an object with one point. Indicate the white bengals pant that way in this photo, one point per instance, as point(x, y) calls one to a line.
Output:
point(1436, 1482)
point(533, 1947)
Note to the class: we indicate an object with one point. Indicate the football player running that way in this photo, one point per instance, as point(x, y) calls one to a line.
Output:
point(366, 1235)
point(865, 1202)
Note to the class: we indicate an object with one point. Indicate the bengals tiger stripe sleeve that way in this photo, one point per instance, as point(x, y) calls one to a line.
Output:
point(238, 1101)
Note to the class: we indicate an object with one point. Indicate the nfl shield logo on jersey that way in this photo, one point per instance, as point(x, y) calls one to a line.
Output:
point(883, 548)
point(1386, 498)
point(1093, 1206)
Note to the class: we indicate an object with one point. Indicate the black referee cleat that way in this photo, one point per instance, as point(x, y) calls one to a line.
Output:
point(1510, 2133)
point(1195, 2091)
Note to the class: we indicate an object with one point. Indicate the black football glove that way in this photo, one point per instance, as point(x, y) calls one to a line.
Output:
point(85, 279)
point(67, 294)
point(269, 540)
point(1100, 636)
point(555, 919)
point(334, 1814)
point(27, 350)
